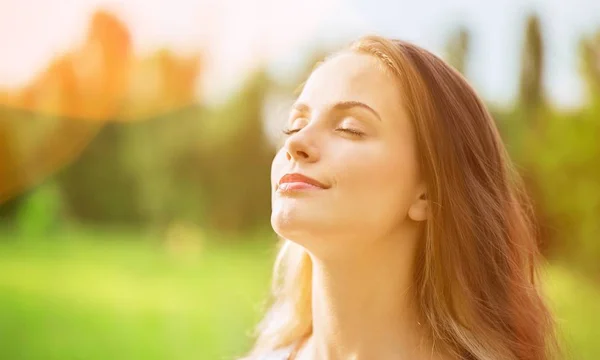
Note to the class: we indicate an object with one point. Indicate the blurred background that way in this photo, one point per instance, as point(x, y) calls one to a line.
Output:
point(136, 139)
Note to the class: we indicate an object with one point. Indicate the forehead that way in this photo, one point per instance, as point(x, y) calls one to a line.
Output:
point(352, 77)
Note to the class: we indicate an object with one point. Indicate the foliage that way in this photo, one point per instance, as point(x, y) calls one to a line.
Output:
point(531, 87)
point(457, 49)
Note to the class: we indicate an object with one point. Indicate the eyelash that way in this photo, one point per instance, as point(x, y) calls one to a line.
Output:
point(346, 130)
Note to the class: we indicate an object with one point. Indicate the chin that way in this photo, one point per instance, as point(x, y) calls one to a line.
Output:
point(289, 223)
point(298, 225)
point(314, 233)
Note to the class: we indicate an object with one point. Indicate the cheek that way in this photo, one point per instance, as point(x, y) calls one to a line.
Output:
point(381, 182)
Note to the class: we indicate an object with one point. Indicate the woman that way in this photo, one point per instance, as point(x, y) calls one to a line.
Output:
point(407, 234)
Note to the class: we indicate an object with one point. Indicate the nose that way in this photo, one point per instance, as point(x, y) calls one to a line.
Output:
point(301, 147)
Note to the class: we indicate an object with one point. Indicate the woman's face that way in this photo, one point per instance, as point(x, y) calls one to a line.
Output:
point(349, 132)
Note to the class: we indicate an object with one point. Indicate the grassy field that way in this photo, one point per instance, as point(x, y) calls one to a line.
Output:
point(74, 297)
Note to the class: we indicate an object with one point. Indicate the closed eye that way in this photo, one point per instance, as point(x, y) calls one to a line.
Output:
point(345, 130)
point(351, 131)
point(290, 131)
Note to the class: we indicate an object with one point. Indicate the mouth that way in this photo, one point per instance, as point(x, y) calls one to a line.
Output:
point(298, 182)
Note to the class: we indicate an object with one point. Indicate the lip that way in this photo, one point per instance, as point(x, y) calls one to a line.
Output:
point(296, 181)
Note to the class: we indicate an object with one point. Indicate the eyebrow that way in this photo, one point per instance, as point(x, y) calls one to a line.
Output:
point(342, 105)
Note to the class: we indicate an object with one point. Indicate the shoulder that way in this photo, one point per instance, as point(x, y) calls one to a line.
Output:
point(279, 354)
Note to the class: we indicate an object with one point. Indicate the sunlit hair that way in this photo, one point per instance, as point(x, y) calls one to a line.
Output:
point(477, 278)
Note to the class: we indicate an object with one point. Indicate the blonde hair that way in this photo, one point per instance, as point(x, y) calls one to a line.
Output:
point(477, 267)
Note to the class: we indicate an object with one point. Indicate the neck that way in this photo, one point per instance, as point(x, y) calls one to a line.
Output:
point(363, 304)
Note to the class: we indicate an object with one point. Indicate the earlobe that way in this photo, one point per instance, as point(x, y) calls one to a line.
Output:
point(418, 210)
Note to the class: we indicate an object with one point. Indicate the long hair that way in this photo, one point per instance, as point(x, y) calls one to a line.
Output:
point(478, 265)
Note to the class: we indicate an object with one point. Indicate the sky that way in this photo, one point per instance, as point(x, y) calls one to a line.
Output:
point(238, 35)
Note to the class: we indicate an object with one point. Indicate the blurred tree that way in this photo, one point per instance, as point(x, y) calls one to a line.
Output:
point(40, 145)
point(560, 165)
point(88, 82)
point(525, 124)
point(10, 171)
point(98, 187)
point(52, 119)
point(590, 65)
point(159, 123)
point(154, 151)
point(138, 173)
point(124, 175)
point(564, 159)
point(10, 176)
point(531, 93)
point(235, 158)
point(457, 49)
point(161, 83)
point(162, 100)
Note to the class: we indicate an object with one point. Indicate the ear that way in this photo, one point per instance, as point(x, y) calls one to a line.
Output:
point(418, 210)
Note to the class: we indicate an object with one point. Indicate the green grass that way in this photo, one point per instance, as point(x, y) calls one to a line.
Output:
point(119, 298)
point(112, 296)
